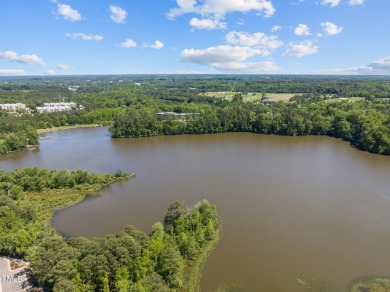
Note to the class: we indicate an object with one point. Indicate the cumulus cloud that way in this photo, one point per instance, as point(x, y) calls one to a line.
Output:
point(250, 67)
point(157, 45)
point(382, 64)
point(332, 3)
point(50, 72)
point(330, 28)
point(356, 2)
point(84, 37)
point(128, 43)
point(62, 66)
point(380, 67)
point(302, 30)
point(12, 72)
point(299, 50)
point(208, 23)
point(228, 58)
point(117, 14)
point(219, 54)
point(276, 28)
point(217, 9)
point(23, 59)
point(257, 40)
point(68, 13)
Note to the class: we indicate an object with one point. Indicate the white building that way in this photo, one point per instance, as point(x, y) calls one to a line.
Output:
point(73, 88)
point(13, 107)
point(56, 107)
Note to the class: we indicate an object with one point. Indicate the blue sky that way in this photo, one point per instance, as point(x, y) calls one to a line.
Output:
point(69, 37)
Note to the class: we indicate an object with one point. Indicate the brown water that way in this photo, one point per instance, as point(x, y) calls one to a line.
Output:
point(311, 207)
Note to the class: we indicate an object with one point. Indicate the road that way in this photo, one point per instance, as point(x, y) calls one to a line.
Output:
point(11, 281)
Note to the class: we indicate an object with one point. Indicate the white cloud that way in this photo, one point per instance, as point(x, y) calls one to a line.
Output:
point(330, 28)
point(50, 72)
point(228, 58)
point(257, 40)
point(362, 70)
point(84, 37)
point(240, 21)
point(382, 64)
point(302, 29)
point(380, 67)
point(12, 72)
point(68, 13)
point(299, 50)
point(207, 23)
point(251, 67)
point(221, 7)
point(23, 59)
point(219, 54)
point(129, 43)
point(62, 66)
point(276, 28)
point(157, 45)
point(332, 3)
point(118, 14)
point(356, 2)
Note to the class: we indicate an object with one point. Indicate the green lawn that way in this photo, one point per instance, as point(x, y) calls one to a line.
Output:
point(251, 96)
point(351, 99)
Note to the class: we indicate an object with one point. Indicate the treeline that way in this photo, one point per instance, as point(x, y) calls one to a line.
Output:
point(15, 134)
point(366, 124)
point(24, 217)
point(15, 183)
point(128, 260)
point(108, 91)
point(18, 132)
point(132, 102)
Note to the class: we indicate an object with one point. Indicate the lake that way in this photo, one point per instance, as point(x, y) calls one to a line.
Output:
point(294, 209)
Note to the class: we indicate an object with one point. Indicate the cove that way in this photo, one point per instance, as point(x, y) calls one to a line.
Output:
point(310, 208)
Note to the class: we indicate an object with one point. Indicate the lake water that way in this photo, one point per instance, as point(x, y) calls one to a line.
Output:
point(306, 207)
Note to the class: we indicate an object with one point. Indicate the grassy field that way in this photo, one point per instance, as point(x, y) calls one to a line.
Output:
point(42, 131)
point(251, 96)
point(351, 99)
point(56, 201)
point(281, 96)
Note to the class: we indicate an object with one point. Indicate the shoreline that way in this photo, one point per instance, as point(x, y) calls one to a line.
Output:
point(194, 270)
point(62, 128)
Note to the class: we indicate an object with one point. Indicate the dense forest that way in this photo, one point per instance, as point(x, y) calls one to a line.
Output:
point(29, 196)
point(365, 124)
point(130, 103)
point(129, 260)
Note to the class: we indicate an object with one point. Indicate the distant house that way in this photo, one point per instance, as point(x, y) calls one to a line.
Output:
point(58, 107)
point(268, 100)
point(13, 107)
point(73, 88)
point(178, 116)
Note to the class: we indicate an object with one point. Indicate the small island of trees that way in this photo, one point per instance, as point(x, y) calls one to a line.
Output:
point(129, 260)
